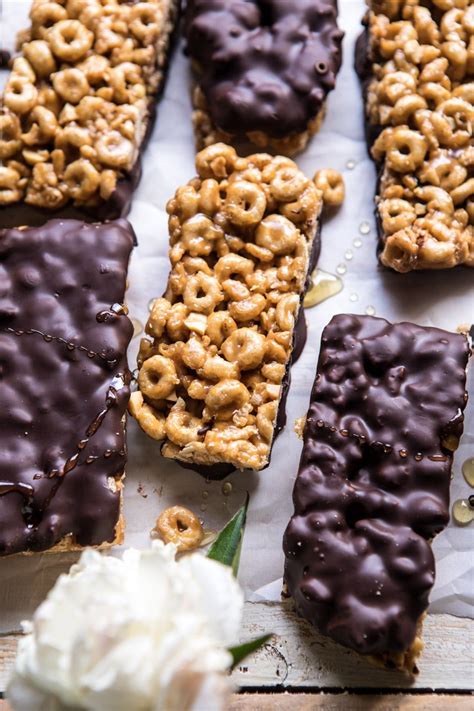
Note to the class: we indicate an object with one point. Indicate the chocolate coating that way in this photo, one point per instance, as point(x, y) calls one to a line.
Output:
point(265, 65)
point(373, 482)
point(64, 382)
point(363, 66)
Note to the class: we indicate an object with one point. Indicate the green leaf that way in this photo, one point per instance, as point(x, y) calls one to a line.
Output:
point(243, 650)
point(228, 544)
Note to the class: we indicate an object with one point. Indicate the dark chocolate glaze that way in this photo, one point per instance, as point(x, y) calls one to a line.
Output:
point(64, 382)
point(5, 57)
point(373, 482)
point(265, 65)
point(363, 66)
point(217, 472)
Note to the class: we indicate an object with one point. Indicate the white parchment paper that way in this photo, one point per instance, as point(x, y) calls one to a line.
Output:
point(444, 299)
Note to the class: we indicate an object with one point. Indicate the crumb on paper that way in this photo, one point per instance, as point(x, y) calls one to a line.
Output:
point(299, 426)
point(141, 491)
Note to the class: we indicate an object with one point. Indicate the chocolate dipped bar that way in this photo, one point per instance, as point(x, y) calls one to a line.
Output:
point(417, 69)
point(78, 107)
point(385, 417)
point(64, 384)
point(214, 374)
point(263, 69)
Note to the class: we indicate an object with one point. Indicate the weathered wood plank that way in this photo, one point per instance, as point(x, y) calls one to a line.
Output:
point(341, 702)
point(345, 702)
point(298, 657)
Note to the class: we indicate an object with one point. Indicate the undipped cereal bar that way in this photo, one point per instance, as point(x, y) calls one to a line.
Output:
point(211, 381)
point(416, 60)
point(64, 384)
point(372, 490)
point(263, 69)
point(79, 105)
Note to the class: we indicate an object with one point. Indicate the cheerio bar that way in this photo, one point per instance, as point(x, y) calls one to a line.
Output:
point(385, 416)
point(417, 65)
point(78, 106)
point(263, 70)
point(215, 368)
point(64, 385)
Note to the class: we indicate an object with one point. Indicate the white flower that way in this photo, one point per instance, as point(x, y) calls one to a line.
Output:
point(139, 633)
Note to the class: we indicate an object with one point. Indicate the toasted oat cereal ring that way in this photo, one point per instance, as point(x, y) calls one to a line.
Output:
point(277, 234)
point(114, 150)
point(210, 289)
point(406, 151)
point(157, 377)
point(331, 184)
point(82, 179)
point(288, 183)
point(216, 161)
point(182, 428)
point(220, 325)
point(245, 203)
point(226, 397)
point(247, 309)
point(39, 55)
point(245, 347)
point(45, 15)
point(71, 84)
point(9, 190)
point(180, 526)
point(10, 141)
point(144, 24)
point(150, 420)
point(70, 40)
point(20, 94)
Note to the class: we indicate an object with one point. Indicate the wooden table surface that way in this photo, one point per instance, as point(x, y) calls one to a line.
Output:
point(300, 670)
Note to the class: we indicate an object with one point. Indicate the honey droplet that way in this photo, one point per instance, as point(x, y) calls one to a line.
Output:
point(341, 268)
point(370, 311)
point(227, 488)
point(364, 228)
point(137, 327)
point(357, 242)
point(468, 471)
point(353, 297)
point(351, 164)
point(348, 255)
point(450, 442)
point(205, 494)
point(203, 507)
point(462, 512)
point(323, 286)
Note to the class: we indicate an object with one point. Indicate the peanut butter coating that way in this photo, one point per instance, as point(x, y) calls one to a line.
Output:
point(373, 482)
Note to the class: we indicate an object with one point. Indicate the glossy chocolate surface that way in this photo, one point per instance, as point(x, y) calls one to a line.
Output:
point(64, 382)
point(265, 65)
point(373, 481)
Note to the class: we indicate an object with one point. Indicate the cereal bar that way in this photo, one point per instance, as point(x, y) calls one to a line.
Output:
point(385, 416)
point(416, 60)
point(64, 384)
point(215, 370)
point(78, 106)
point(263, 69)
